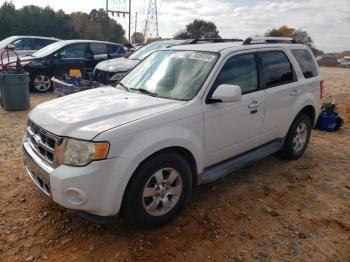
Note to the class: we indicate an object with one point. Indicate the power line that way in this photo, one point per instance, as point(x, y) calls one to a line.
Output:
point(120, 9)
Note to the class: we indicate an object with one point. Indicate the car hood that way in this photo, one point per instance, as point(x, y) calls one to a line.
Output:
point(86, 114)
point(116, 65)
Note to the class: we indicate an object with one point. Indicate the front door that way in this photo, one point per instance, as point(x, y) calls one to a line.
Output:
point(70, 57)
point(232, 128)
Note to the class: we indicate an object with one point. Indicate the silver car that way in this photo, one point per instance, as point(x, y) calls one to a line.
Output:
point(25, 45)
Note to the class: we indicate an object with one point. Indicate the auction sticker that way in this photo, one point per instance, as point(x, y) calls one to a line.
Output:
point(202, 56)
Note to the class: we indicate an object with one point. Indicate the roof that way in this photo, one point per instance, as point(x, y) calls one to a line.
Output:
point(33, 36)
point(75, 41)
point(231, 46)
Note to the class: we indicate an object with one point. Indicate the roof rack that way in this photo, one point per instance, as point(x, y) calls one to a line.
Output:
point(216, 40)
point(268, 40)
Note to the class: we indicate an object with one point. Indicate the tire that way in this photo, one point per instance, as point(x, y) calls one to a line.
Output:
point(41, 83)
point(145, 203)
point(295, 144)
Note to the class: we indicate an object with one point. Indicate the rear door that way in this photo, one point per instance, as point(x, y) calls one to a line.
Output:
point(70, 57)
point(282, 90)
point(234, 128)
point(96, 53)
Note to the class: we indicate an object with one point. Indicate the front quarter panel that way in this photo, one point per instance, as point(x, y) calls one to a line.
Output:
point(181, 127)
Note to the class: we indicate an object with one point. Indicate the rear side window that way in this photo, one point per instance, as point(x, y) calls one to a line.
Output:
point(306, 62)
point(40, 43)
point(277, 69)
point(240, 70)
point(98, 48)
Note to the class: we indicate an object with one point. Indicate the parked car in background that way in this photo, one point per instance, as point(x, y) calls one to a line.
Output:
point(25, 45)
point(58, 58)
point(184, 116)
point(112, 71)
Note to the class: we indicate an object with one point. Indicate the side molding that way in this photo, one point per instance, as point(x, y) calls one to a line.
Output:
point(228, 166)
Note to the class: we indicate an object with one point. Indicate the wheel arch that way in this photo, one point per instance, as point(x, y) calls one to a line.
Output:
point(182, 151)
point(310, 111)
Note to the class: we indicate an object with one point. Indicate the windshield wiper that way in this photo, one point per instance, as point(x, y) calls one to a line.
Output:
point(124, 86)
point(145, 91)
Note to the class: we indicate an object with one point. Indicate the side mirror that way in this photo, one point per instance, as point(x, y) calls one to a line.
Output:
point(226, 93)
point(10, 47)
point(57, 56)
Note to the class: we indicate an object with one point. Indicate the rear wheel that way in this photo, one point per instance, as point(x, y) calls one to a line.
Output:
point(41, 83)
point(158, 191)
point(297, 138)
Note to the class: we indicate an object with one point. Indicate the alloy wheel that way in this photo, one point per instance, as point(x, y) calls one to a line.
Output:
point(162, 191)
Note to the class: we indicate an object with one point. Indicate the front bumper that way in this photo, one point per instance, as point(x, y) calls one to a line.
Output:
point(37, 169)
point(97, 188)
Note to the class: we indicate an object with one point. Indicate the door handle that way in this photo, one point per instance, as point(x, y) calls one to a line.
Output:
point(295, 92)
point(254, 105)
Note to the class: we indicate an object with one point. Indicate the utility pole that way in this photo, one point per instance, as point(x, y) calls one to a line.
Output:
point(119, 12)
point(129, 21)
point(135, 22)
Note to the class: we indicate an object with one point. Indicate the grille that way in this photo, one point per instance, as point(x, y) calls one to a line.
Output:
point(42, 142)
point(103, 76)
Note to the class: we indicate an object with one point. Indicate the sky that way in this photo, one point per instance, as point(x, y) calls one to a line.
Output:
point(327, 21)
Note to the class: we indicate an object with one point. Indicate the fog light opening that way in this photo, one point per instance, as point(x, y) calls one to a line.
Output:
point(75, 196)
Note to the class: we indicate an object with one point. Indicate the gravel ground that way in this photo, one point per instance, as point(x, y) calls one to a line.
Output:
point(272, 210)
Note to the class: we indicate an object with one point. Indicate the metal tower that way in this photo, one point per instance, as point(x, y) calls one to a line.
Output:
point(151, 25)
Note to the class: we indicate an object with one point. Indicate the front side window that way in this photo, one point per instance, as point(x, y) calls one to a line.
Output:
point(73, 51)
point(172, 74)
point(23, 44)
point(240, 70)
point(277, 69)
point(306, 62)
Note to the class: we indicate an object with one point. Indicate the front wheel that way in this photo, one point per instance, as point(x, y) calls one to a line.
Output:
point(297, 138)
point(41, 83)
point(158, 191)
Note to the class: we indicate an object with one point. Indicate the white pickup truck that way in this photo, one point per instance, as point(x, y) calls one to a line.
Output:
point(184, 116)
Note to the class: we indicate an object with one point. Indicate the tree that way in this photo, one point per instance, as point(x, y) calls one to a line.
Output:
point(116, 32)
point(300, 36)
point(199, 29)
point(137, 38)
point(34, 20)
point(8, 20)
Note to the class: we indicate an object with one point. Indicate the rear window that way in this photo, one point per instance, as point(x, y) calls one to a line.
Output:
point(277, 69)
point(306, 62)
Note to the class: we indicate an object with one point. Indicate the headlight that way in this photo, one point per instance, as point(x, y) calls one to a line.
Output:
point(81, 153)
point(117, 76)
point(23, 64)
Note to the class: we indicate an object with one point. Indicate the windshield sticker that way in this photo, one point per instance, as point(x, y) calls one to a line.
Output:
point(202, 57)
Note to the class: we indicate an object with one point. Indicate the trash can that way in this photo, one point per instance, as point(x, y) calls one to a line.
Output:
point(14, 91)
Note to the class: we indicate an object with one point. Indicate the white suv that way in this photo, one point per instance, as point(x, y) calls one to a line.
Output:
point(184, 116)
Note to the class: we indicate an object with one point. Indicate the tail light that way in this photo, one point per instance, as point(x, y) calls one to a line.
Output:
point(322, 88)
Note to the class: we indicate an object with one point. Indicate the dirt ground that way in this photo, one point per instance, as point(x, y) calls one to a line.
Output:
point(272, 210)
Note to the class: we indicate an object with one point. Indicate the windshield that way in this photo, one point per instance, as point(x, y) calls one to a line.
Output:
point(7, 41)
point(171, 74)
point(143, 52)
point(49, 49)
